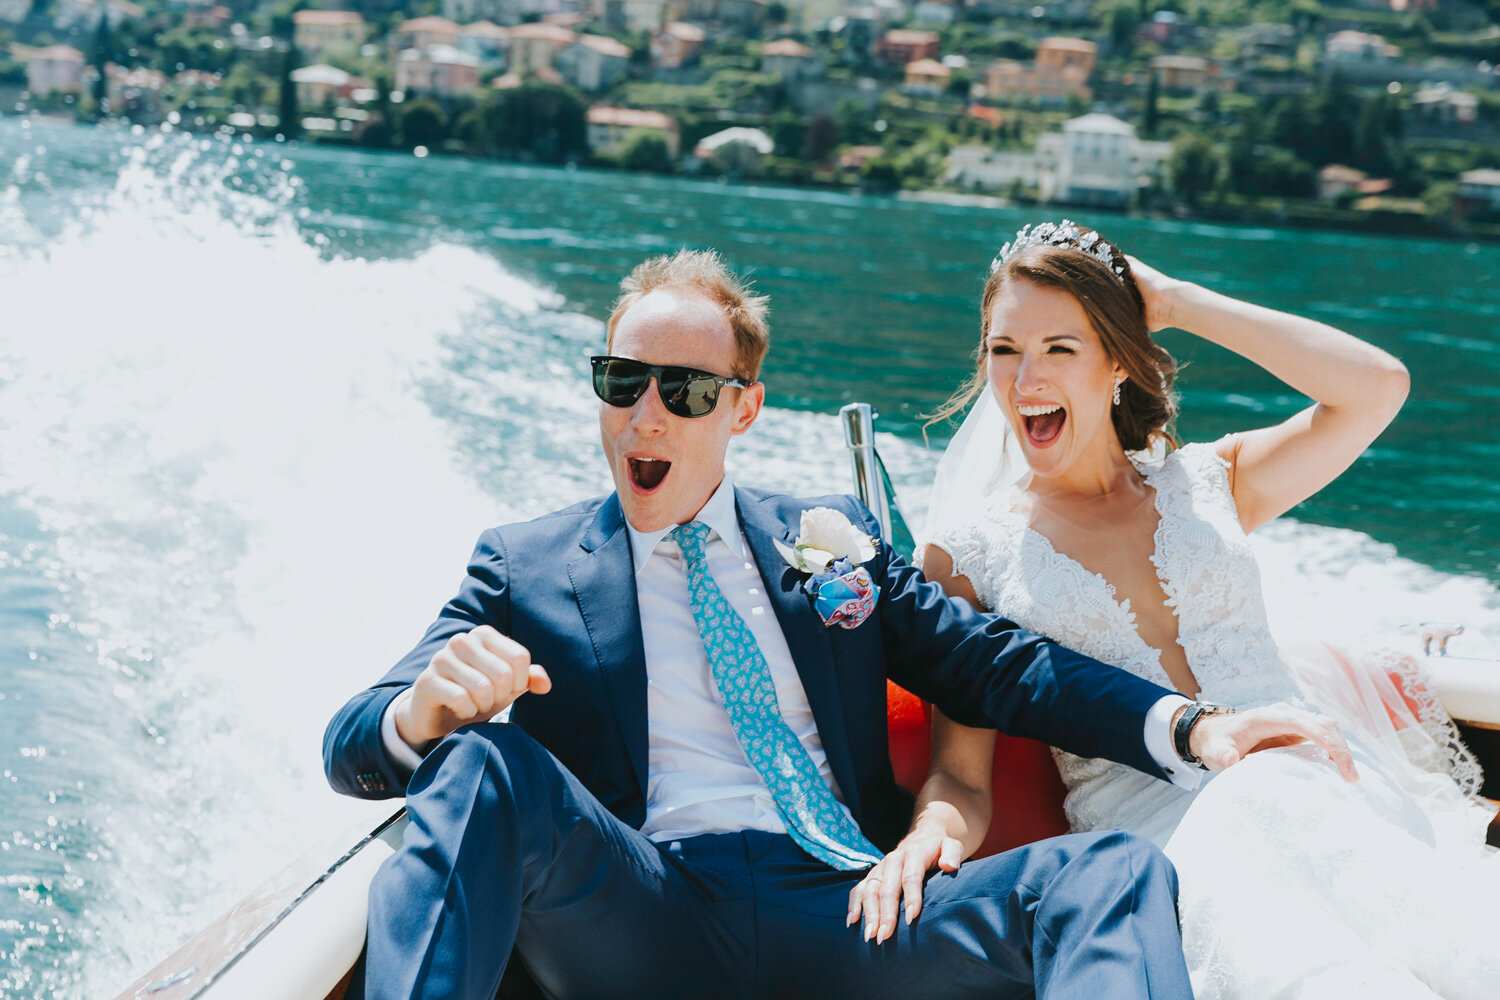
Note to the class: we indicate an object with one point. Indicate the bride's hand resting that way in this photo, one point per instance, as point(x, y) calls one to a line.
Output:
point(1156, 292)
point(1221, 741)
point(901, 873)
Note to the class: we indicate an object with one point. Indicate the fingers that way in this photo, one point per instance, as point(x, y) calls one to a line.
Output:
point(476, 675)
point(864, 901)
point(913, 874)
point(877, 898)
point(1326, 734)
point(879, 889)
point(500, 656)
point(888, 897)
point(1234, 736)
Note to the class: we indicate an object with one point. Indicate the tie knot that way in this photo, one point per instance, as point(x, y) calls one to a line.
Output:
point(690, 537)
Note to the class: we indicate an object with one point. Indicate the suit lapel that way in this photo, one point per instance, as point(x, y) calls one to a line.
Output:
point(806, 635)
point(603, 579)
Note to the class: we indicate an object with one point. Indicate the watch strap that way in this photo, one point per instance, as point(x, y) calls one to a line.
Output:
point(1182, 732)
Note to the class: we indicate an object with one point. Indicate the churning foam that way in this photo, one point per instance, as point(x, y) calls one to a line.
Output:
point(220, 428)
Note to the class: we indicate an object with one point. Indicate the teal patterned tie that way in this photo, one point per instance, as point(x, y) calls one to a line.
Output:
point(812, 815)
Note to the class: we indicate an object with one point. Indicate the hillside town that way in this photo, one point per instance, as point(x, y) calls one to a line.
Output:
point(1376, 113)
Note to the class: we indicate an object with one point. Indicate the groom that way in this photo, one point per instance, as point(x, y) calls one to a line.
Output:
point(695, 771)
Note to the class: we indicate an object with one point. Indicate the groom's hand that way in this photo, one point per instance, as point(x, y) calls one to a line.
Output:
point(475, 676)
point(1221, 741)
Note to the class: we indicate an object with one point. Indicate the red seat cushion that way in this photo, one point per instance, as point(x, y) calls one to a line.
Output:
point(1028, 793)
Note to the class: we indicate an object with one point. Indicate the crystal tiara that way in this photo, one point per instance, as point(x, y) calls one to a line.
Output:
point(1059, 234)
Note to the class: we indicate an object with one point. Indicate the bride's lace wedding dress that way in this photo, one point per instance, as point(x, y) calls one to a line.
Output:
point(1294, 883)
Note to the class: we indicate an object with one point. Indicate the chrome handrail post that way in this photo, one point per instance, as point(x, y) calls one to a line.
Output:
point(859, 435)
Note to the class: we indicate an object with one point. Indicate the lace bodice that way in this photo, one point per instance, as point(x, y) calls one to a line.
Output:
point(1206, 569)
point(1274, 898)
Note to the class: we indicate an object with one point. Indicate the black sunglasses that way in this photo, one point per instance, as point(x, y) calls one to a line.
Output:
point(686, 392)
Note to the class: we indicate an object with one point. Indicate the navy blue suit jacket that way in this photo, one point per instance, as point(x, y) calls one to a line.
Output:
point(564, 587)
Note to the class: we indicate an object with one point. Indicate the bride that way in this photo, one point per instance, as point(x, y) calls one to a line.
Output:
point(1062, 506)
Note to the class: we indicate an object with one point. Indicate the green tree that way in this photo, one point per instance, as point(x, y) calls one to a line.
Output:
point(101, 51)
point(423, 123)
point(646, 150)
point(1318, 127)
point(1195, 167)
point(788, 132)
point(1280, 173)
point(1376, 135)
point(822, 139)
point(879, 173)
point(855, 121)
point(1120, 22)
point(536, 122)
point(1151, 121)
point(286, 105)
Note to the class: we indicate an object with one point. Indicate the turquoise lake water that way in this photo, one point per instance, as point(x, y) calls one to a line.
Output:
point(256, 402)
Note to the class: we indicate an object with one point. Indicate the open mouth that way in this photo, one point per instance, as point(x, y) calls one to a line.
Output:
point(1044, 422)
point(647, 473)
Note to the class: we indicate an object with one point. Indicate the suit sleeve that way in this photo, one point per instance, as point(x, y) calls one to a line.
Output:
point(985, 671)
point(354, 755)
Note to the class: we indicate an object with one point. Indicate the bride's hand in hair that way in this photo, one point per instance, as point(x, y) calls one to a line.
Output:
point(1157, 292)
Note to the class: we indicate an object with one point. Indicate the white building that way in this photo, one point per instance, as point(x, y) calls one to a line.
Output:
point(1099, 161)
point(14, 11)
point(938, 12)
point(85, 13)
point(318, 83)
point(609, 128)
point(436, 69)
point(985, 168)
point(1479, 190)
point(737, 150)
point(57, 67)
point(486, 41)
point(1095, 160)
point(1355, 47)
point(593, 62)
point(790, 60)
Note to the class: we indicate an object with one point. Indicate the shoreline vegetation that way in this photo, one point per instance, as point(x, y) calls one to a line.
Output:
point(1288, 113)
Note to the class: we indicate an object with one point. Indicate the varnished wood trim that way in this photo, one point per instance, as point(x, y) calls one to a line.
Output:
point(202, 961)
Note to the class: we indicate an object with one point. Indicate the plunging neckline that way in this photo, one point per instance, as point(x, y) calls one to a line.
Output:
point(1123, 605)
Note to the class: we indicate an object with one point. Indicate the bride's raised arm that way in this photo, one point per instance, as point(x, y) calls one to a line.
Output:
point(1358, 390)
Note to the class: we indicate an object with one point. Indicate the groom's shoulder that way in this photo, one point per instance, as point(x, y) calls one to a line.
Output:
point(549, 528)
point(790, 508)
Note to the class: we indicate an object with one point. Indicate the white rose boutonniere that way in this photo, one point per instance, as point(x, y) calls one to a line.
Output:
point(831, 550)
point(824, 537)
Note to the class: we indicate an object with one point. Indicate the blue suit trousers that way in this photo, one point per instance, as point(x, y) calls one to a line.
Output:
point(506, 847)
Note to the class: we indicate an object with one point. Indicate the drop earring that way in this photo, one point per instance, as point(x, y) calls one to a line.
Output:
point(1117, 390)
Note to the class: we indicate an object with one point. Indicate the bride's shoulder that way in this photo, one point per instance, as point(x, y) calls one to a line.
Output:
point(1198, 472)
point(1194, 462)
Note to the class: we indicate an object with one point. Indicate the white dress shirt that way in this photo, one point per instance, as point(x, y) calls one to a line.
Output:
point(698, 778)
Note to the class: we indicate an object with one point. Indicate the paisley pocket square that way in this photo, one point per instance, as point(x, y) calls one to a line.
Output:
point(845, 599)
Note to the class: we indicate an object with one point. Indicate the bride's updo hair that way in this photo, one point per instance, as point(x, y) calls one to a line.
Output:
point(1113, 304)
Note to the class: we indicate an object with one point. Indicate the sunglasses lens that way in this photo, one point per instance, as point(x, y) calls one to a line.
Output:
point(687, 393)
point(620, 382)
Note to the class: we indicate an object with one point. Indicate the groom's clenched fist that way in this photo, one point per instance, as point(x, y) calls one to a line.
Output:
point(475, 676)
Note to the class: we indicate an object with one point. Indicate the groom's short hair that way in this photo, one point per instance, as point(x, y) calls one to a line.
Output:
point(704, 271)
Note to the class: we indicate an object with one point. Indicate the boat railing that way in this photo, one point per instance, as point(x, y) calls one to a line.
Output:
point(872, 483)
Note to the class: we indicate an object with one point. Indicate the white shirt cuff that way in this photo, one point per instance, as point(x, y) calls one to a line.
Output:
point(1159, 742)
point(401, 751)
